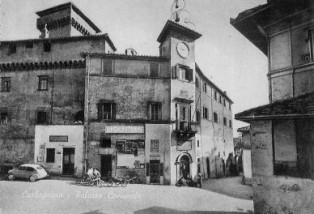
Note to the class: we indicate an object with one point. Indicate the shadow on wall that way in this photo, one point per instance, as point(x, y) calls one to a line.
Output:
point(163, 210)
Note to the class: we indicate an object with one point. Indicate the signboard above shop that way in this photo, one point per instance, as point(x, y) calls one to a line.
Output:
point(58, 138)
point(124, 129)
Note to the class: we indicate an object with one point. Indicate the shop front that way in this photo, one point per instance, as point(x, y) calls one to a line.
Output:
point(60, 149)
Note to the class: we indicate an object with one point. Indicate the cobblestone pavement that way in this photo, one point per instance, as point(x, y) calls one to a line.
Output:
point(60, 196)
point(230, 186)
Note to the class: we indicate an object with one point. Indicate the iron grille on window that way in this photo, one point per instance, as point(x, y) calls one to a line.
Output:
point(6, 84)
point(106, 111)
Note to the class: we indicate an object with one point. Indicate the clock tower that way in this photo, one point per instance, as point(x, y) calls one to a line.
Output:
point(177, 42)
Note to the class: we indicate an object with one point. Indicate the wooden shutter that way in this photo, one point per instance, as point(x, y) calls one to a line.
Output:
point(99, 114)
point(161, 169)
point(190, 74)
point(159, 111)
point(114, 111)
point(147, 169)
point(174, 72)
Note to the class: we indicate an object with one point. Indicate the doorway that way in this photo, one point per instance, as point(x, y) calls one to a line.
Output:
point(68, 161)
point(208, 167)
point(106, 165)
point(184, 166)
point(154, 171)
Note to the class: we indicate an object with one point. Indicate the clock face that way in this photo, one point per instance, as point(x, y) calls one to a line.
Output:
point(183, 49)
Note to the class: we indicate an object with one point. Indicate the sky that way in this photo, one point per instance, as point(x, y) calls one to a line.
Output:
point(224, 55)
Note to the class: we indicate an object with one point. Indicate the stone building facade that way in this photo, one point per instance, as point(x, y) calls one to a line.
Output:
point(79, 104)
point(282, 131)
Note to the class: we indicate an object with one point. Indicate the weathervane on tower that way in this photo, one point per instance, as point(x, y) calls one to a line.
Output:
point(179, 14)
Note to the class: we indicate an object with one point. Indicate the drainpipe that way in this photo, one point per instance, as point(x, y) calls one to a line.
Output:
point(86, 121)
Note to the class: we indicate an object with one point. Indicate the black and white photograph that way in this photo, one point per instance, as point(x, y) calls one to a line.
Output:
point(156, 106)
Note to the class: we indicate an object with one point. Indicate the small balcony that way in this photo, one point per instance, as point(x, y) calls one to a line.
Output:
point(184, 130)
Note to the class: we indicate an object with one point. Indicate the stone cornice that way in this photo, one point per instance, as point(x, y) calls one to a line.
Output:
point(58, 23)
point(26, 66)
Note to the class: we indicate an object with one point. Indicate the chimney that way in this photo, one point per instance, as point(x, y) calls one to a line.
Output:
point(44, 33)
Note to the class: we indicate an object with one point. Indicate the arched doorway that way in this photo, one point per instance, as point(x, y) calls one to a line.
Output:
point(184, 166)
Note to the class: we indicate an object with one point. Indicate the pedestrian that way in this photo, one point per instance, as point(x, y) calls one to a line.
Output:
point(97, 176)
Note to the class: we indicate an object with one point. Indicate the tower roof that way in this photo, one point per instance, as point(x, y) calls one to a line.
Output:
point(66, 6)
point(170, 25)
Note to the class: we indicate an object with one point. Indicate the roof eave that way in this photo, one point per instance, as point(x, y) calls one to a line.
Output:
point(174, 26)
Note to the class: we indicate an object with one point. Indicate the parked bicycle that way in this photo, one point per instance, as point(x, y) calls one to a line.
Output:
point(117, 182)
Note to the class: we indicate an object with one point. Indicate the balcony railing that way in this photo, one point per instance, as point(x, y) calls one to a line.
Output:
point(185, 130)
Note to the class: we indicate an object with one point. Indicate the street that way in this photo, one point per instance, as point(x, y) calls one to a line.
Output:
point(59, 196)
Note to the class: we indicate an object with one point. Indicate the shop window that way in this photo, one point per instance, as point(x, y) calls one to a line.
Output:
point(105, 143)
point(12, 49)
point(6, 84)
point(107, 66)
point(29, 45)
point(130, 153)
point(198, 116)
point(225, 121)
point(197, 83)
point(154, 110)
point(50, 157)
point(215, 117)
point(42, 83)
point(205, 112)
point(106, 111)
point(41, 117)
point(154, 69)
point(47, 46)
point(3, 118)
point(205, 87)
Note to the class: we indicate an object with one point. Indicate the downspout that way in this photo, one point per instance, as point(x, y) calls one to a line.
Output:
point(86, 121)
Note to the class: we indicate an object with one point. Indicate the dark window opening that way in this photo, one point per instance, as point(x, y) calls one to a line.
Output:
point(154, 69)
point(220, 99)
point(197, 83)
point(225, 121)
point(198, 116)
point(47, 46)
point(229, 106)
point(29, 45)
point(42, 83)
point(230, 124)
point(79, 117)
point(215, 117)
point(224, 103)
point(205, 87)
point(107, 66)
point(12, 49)
point(154, 111)
point(50, 158)
point(3, 118)
point(205, 112)
point(215, 95)
point(6, 84)
point(41, 117)
point(198, 143)
point(106, 143)
point(107, 111)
